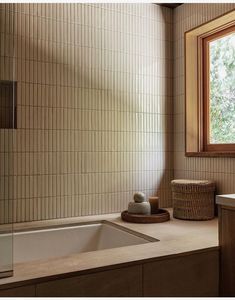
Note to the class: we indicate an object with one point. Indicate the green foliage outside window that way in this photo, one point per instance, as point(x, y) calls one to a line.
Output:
point(222, 90)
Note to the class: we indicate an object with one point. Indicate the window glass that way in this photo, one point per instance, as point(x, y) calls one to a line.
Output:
point(222, 90)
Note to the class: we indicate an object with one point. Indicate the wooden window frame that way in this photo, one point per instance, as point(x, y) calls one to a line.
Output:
point(197, 87)
point(207, 146)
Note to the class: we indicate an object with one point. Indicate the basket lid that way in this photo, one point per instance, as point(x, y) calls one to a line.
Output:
point(192, 181)
point(194, 184)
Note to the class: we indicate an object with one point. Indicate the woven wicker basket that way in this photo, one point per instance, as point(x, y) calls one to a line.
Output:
point(193, 199)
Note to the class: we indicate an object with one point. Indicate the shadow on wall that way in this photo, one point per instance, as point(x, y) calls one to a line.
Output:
point(163, 189)
point(94, 108)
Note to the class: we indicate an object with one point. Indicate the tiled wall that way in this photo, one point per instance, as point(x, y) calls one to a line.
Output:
point(222, 170)
point(94, 115)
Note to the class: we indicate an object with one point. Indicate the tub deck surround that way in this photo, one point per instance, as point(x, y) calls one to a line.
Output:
point(176, 237)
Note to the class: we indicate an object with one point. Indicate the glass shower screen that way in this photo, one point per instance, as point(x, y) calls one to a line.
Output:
point(7, 127)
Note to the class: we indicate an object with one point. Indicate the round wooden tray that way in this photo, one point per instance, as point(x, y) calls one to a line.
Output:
point(162, 216)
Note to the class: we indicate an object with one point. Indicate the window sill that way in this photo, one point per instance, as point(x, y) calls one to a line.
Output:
point(210, 154)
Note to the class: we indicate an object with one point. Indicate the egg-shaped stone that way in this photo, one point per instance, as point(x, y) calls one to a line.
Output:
point(139, 197)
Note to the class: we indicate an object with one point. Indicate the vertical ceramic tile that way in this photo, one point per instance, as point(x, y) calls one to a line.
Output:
point(88, 132)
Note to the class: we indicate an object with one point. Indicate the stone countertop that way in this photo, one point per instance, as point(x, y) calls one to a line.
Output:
point(226, 200)
point(176, 237)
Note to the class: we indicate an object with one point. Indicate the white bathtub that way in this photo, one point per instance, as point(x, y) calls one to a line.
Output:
point(57, 242)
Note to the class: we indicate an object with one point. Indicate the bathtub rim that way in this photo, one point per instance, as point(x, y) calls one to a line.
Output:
point(78, 224)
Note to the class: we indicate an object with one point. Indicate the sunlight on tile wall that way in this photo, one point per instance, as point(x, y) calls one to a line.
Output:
point(222, 170)
point(94, 113)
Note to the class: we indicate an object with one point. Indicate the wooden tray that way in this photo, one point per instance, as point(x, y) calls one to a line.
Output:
point(162, 216)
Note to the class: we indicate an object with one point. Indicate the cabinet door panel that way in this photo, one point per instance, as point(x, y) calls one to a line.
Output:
point(189, 275)
point(118, 282)
point(23, 291)
point(227, 244)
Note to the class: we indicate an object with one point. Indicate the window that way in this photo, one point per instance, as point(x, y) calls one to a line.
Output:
point(219, 91)
point(210, 88)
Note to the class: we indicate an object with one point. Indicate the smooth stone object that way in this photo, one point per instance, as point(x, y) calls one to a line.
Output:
point(154, 204)
point(143, 208)
point(139, 197)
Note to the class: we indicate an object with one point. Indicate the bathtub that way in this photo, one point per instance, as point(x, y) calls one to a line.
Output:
point(57, 242)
